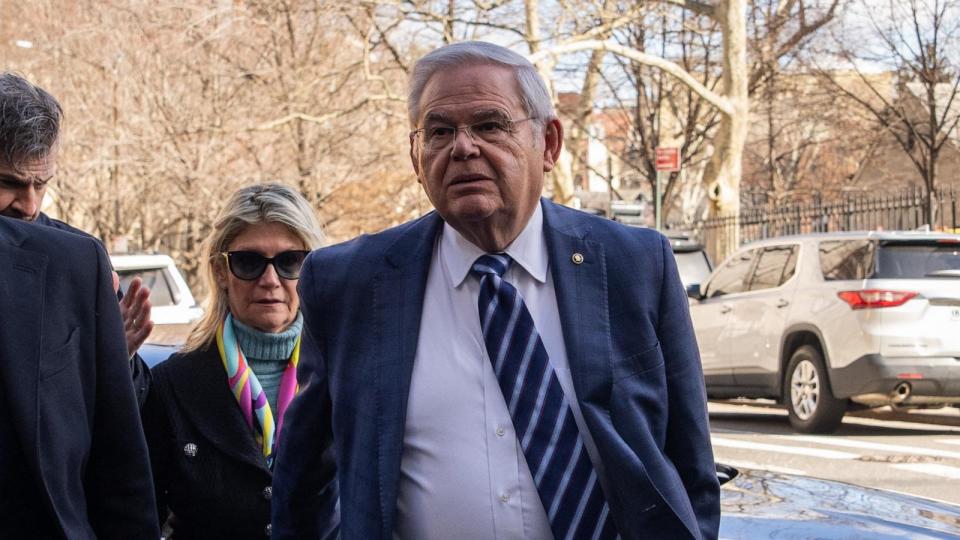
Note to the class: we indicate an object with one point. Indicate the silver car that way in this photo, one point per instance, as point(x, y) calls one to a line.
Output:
point(820, 321)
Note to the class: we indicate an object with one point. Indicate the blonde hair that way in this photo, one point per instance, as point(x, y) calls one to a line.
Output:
point(251, 205)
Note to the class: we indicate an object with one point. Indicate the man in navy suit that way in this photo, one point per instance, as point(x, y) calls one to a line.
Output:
point(503, 367)
point(29, 141)
point(73, 460)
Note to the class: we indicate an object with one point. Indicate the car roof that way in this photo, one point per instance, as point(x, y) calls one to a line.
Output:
point(856, 235)
point(132, 262)
point(683, 244)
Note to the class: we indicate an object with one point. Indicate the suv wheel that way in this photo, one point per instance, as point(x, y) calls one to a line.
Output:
point(811, 404)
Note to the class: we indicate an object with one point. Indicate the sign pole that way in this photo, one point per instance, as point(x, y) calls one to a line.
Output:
point(658, 200)
point(667, 161)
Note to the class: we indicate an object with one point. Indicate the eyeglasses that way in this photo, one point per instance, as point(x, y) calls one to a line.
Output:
point(438, 136)
point(250, 265)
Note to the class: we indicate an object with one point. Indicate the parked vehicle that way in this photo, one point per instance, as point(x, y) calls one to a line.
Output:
point(173, 305)
point(154, 353)
point(760, 504)
point(819, 321)
point(693, 263)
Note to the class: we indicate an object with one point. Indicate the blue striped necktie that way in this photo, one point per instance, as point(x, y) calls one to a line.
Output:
point(542, 419)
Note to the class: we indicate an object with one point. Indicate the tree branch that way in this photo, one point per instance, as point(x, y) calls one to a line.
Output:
point(715, 99)
point(700, 8)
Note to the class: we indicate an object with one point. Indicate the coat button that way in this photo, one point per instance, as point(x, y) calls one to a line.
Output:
point(268, 530)
point(190, 449)
point(577, 258)
point(268, 493)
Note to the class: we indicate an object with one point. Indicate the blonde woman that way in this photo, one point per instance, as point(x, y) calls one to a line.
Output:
point(215, 409)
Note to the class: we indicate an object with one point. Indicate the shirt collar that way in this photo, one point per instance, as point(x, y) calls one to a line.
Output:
point(528, 250)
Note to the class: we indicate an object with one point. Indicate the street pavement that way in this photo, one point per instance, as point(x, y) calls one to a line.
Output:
point(916, 453)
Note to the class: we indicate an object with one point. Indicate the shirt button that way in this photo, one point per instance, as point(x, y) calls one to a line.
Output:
point(504, 498)
point(268, 530)
point(267, 493)
point(500, 431)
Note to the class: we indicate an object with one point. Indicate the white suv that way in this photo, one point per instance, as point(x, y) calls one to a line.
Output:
point(173, 306)
point(817, 321)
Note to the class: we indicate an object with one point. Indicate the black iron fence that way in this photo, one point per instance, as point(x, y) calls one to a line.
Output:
point(907, 210)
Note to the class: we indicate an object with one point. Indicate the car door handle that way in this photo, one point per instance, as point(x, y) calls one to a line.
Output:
point(782, 303)
point(725, 309)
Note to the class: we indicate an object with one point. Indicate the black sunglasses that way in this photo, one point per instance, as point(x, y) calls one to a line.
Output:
point(250, 265)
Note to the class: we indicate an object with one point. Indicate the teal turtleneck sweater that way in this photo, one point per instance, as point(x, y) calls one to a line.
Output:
point(268, 354)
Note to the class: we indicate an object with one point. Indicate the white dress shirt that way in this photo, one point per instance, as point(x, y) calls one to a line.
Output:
point(463, 473)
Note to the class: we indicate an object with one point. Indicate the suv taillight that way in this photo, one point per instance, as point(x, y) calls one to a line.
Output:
point(875, 298)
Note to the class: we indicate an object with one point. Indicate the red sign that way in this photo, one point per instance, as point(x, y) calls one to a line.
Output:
point(668, 159)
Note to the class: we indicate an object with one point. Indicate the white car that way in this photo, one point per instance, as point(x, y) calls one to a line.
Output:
point(173, 307)
point(693, 264)
point(822, 320)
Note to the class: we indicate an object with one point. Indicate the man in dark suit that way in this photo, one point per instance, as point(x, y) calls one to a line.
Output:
point(29, 139)
point(73, 461)
point(503, 367)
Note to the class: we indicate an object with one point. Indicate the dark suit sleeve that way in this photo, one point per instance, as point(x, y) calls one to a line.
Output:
point(305, 500)
point(140, 374)
point(118, 485)
point(688, 432)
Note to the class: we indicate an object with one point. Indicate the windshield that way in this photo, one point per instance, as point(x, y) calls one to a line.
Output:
point(162, 292)
point(899, 260)
point(693, 267)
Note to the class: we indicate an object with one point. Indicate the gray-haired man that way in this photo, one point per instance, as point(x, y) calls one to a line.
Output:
point(503, 367)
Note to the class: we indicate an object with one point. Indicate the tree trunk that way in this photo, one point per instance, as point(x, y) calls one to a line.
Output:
point(726, 165)
point(561, 179)
point(932, 197)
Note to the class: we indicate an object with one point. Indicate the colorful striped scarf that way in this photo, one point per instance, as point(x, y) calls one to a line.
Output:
point(250, 396)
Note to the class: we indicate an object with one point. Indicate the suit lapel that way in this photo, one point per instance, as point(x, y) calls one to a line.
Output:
point(580, 283)
point(206, 400)
point(398, 305)
point(22, 277)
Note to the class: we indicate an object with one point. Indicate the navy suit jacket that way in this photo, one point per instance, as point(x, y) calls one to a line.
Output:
point(65, 376)
point(632, 353)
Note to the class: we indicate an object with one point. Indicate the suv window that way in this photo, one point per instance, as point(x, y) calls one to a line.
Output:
point(846, 259)
point(731, 277)
point(896, 259)
point(915, 260)
point(776, 266)
point(162, 292)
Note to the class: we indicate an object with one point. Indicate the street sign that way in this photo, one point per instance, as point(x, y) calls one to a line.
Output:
point(668, 159)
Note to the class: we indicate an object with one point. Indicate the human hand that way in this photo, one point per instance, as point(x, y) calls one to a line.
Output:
point(135, 308)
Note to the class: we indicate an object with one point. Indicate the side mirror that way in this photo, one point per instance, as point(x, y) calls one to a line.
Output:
point(693, 291)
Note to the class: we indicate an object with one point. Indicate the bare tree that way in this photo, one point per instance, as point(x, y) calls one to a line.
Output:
point(170, 106)
point(913, 40)
point(668, 112)
point(805, 142)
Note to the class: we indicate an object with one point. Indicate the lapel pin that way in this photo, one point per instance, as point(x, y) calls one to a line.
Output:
point(577, 258)
point(190, 449)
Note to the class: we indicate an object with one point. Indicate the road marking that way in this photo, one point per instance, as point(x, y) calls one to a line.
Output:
point(933, 469)
point(949, 441)
point(730, 411)
point(867, 445)
point(762, 467)
point(798, 450)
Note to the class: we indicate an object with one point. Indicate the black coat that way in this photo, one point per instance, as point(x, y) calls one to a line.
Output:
point(65, 381)
point(138, 368)
point(207, 468)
